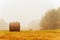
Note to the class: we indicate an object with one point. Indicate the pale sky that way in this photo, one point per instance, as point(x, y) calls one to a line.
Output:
point(25, 11)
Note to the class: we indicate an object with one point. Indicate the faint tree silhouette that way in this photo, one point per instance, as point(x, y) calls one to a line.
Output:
point(51, 20)
point(3, 25)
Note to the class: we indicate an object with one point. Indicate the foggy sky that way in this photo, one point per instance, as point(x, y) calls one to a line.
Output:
point(25, 11)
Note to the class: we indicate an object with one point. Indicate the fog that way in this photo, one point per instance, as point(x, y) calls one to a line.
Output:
point(25, 11)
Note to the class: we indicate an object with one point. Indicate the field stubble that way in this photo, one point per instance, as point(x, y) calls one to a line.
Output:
point(31, 35)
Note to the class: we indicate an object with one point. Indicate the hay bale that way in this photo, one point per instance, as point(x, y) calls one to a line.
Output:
point(14, 26)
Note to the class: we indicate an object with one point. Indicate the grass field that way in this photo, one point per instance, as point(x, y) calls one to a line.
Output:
point(30, 35)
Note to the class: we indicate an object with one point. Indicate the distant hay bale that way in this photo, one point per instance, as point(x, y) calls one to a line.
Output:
point(34, 25)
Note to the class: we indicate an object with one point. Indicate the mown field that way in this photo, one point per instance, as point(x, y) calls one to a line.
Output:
point(30, 35)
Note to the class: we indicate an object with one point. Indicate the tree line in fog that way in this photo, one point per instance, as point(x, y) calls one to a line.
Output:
point(50, 21)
